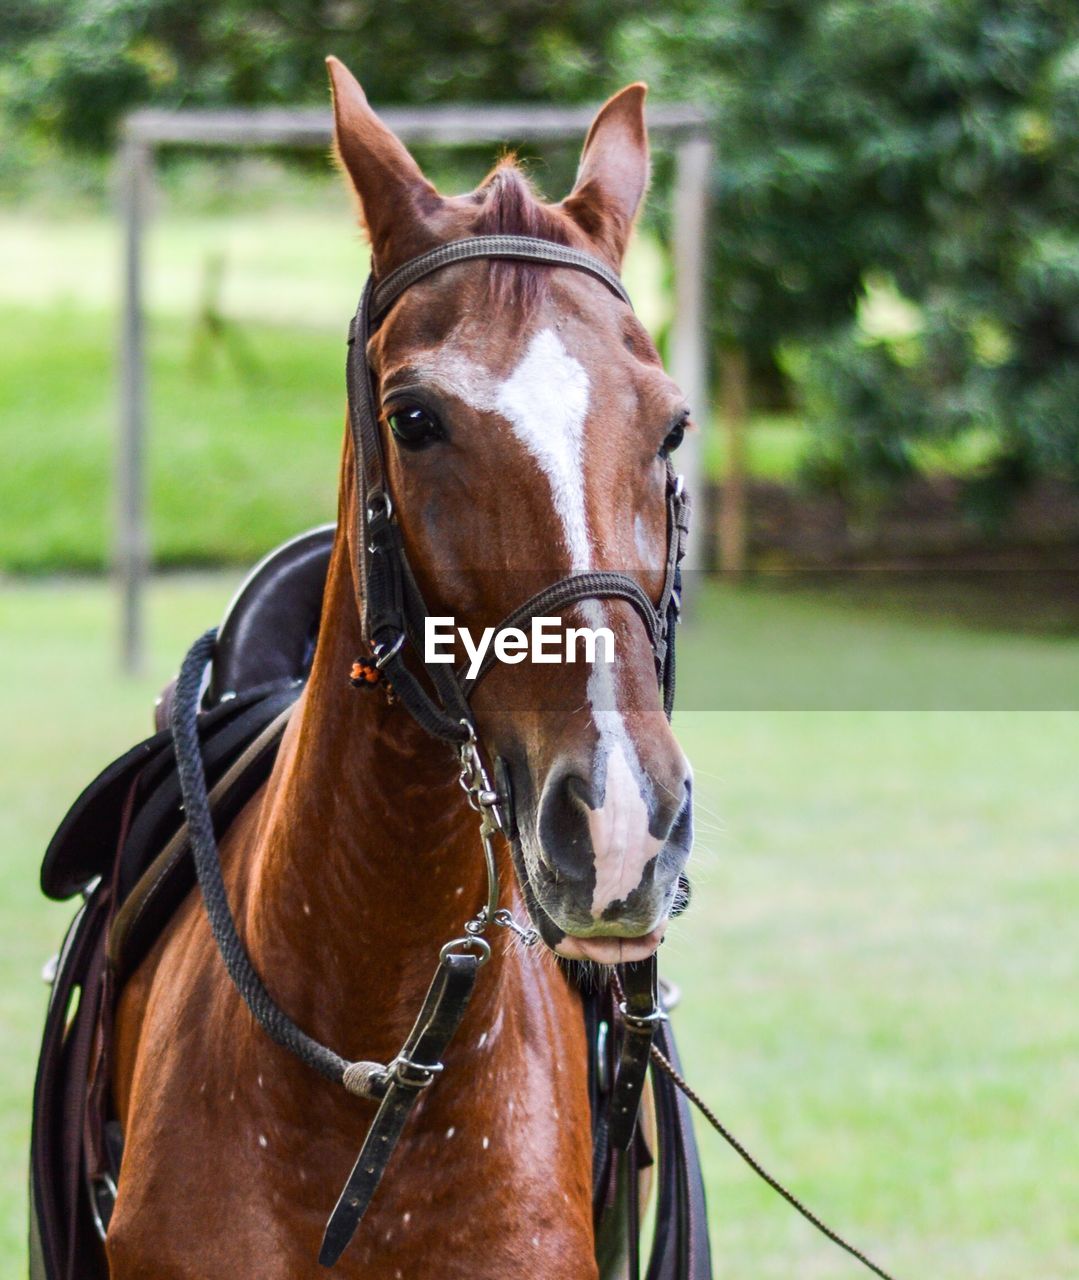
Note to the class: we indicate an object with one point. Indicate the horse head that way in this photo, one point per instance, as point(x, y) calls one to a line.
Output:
point(526, 423)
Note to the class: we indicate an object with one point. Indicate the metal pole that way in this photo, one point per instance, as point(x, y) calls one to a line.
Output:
point(689, 359)
point(130, 541)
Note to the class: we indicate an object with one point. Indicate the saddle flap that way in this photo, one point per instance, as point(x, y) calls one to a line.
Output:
point(85, 844)
point(267, 640)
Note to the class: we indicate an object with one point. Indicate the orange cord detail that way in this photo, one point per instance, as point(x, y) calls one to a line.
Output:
point(364, 674)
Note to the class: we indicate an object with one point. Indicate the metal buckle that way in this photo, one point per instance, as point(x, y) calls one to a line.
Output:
point(413, 1075)
point(384, 654)
point(379, 505)
point(641, 1021)
point(101, 1186)
point(470, 942)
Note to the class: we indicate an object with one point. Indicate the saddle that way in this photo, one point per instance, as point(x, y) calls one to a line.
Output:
point(122, 850)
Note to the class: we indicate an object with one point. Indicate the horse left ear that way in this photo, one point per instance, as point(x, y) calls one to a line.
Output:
point(613, 173)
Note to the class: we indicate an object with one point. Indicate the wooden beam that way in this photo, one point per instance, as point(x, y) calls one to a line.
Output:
point(451, 125)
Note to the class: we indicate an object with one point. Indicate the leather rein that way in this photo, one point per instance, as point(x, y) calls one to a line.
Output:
point(393, 614)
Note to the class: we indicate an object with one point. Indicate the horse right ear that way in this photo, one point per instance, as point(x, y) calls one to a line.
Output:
point(613, 173)
point(396, 201)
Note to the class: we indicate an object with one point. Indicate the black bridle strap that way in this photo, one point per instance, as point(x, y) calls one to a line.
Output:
point(518, 248)
point(597, 585)
point(414, 1069)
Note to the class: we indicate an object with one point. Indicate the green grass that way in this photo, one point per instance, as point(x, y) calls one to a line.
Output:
point(879, 965)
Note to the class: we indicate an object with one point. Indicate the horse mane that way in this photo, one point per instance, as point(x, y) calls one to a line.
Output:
point(509, 205)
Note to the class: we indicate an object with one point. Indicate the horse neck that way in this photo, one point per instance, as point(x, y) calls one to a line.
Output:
point(366, 856)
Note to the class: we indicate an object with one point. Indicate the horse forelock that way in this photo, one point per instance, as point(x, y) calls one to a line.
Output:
point(509, 205)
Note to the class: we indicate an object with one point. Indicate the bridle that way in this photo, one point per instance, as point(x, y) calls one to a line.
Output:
point(393, 613)
point(392, 605)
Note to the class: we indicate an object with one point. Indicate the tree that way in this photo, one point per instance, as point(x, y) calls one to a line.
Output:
point(74, 66)
point(895, 202)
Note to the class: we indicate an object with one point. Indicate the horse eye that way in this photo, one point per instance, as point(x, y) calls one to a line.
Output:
point(414, 427)
point(674, 437)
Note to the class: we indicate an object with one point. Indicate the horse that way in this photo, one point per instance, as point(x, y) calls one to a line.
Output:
point(526, 423)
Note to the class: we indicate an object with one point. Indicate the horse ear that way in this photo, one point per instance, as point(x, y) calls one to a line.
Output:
point(396, 200)
point(613, 172)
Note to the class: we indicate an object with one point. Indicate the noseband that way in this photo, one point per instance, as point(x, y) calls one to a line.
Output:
point(393, 614)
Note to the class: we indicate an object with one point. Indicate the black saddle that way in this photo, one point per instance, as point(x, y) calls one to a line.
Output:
point(122, 848)
point(271, 627)
point(265, 647)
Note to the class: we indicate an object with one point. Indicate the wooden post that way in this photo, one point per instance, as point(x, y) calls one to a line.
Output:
point(733, 507)
point(130, 546)
point(689, 364)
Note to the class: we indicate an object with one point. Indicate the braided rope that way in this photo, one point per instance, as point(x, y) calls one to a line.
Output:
point(274, 1021)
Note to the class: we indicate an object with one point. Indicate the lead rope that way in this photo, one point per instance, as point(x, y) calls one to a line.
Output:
point(668, 1069)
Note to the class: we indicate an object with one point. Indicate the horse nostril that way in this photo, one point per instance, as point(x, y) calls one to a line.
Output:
point(563, 826)
point(578, 792)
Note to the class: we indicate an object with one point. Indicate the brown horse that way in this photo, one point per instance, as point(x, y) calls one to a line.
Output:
point(525, 419)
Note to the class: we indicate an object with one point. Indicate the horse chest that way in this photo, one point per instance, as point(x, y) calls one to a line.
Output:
point(492, 1178)
point(476, 1198)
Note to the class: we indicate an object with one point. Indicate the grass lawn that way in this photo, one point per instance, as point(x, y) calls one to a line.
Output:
point(880, 962)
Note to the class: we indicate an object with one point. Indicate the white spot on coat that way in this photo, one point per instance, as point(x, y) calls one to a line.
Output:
point(262, 1140)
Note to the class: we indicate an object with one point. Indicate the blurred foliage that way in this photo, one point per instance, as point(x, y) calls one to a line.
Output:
point(895, 217)
point(82, 63)
point(895, 185)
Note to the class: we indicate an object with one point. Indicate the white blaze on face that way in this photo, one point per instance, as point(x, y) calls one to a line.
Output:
point(545, 400)
point(621, 842)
